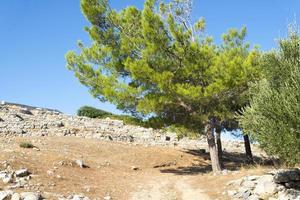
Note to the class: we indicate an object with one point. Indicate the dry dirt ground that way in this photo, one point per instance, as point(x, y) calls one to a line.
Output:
point(164, 173)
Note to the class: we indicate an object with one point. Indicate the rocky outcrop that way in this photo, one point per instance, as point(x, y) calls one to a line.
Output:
point(282, 185)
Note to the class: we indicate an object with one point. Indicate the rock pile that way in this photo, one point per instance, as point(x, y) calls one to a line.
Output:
point(74, 197)
point(18, 178)
point(10, 195)
point(15, 180)
point(282, 185)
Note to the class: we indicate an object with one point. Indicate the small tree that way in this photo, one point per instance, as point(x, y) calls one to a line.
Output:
point(273, 116)
point(151, 63)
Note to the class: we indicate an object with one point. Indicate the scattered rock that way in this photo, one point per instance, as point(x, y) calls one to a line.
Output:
point(253, 197)
point(16, 196)
point(76, 197)
point(30, 196)
point(107, 197)
point(289, 194)
point(22, 172)
point(134, 168)
point(80, 164)
point(6, 195)
point(165, 164)
point(50, 172)
point(7, 179)
point(25, 111)
point(274, 185)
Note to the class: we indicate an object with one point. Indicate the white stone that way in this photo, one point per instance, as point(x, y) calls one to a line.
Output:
point(249, 184)
point(253, 197)
point(231, 192)
point(7, 179)
point(265, 186)
point(30, 196)
point(79, 163)
point(16, 196)
point(5, 195)
point(289, 194)
point(22, 172)
point(107, 197)
point(252, 178)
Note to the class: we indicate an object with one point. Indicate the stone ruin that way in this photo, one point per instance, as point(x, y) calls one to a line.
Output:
point(22, 120)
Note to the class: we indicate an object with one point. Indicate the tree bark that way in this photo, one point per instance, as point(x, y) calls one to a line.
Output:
point(219, 143)
point(248, 148)
point(215, 162)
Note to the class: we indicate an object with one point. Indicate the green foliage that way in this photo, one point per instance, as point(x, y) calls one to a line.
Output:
point(26, 145)
point(88, 111)
point(274, 115)
point(182, 132)
point(92, 112)
point(156, 62)
point(128, 120)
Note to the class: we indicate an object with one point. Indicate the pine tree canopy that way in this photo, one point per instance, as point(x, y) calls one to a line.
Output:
point(155, 62)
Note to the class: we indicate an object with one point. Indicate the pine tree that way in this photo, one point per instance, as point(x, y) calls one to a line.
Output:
point(152, 63)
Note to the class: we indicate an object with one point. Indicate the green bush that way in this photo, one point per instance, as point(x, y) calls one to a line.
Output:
point(91, 112)
point(273, 117)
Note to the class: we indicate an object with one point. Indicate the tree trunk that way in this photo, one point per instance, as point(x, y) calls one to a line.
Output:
point(248, 148)
point(219, 143)
point(215, 163)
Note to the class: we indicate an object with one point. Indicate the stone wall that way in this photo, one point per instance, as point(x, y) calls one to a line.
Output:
point(23, 120)
point(16, 119)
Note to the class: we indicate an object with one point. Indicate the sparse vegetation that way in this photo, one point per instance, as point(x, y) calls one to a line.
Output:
point(26, 145)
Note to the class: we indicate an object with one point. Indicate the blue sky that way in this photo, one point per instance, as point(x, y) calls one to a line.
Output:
point(35, 35)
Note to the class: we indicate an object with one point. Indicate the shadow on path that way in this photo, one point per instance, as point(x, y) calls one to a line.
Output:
point(231, 161)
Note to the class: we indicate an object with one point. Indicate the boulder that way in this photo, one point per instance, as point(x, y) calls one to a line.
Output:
point(265, 186)
point(249, 184)
point(287, 175)
point(22, 172)
point(289, 194)
point(6, 195)
point(253, 197)
point(16, 196)
point(7, 179)
point(30, 196)
point(79, 163)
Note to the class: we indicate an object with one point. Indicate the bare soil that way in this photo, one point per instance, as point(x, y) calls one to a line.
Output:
point(163, 173)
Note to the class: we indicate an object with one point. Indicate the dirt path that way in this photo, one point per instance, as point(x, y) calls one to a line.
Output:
point(169, 188)
point(163, 173)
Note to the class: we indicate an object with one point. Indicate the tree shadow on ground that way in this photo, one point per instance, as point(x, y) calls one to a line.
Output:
point(231, 161)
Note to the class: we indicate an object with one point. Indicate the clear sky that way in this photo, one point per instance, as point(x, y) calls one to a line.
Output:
point(36, 34)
